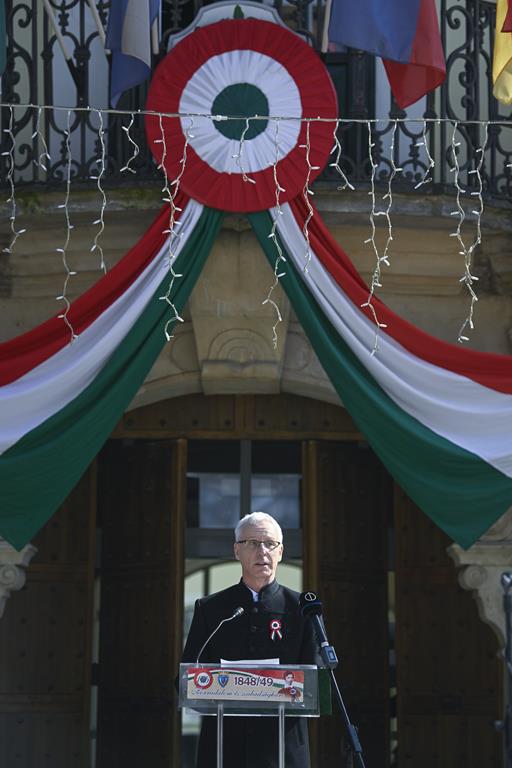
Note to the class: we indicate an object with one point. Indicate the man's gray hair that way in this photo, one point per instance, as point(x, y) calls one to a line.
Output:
point(253, 519)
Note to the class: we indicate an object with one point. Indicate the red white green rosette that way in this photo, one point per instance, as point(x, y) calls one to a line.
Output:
point(241, 67)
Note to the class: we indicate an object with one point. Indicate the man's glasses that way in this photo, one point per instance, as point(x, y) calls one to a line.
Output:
point(268, 544)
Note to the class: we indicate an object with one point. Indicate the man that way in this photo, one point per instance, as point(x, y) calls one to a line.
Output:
point(270, 627)
point(290, 690)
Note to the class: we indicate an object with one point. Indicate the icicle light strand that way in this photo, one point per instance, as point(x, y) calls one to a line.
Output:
point(63, 250)
point(174, 236)
point(38, 134)
point(375, 283)
point(273, 236)
point(136, 148)
point(336, 163)
point(468, 252)
point(307, 192)
point(239, 157)
point(100, 221)
point(10, 178)
point(427, 177)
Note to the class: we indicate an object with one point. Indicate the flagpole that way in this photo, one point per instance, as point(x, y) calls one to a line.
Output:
point(60, 39)
point(97, 20)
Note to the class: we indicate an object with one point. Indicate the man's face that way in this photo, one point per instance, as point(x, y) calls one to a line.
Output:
point(259, 564)
point(289, 678)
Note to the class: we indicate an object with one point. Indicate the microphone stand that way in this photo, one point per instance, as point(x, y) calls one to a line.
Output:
point(328, 654)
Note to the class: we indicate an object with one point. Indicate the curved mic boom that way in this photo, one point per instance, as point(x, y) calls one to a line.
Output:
point(236, 613)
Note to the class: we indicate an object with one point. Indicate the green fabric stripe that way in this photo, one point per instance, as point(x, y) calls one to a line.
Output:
point(39, 471)
point(460, 492)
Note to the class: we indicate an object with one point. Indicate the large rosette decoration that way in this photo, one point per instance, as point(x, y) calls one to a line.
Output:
point(241, 68)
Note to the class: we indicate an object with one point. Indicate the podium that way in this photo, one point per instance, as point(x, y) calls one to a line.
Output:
point(249, 690)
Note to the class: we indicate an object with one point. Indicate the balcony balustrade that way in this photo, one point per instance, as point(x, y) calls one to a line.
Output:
point(461, 117)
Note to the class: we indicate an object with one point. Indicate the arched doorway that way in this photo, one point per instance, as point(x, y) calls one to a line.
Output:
point(418, 668)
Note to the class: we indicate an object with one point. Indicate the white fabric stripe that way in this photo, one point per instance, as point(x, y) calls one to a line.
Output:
point(468, 414)
point(231, 68)
point(50, 386)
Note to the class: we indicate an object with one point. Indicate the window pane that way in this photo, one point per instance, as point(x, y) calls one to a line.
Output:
point(213, 500)
point(279, 496)
point(213, 484)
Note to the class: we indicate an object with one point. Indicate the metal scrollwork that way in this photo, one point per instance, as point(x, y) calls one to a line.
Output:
point(38, 74)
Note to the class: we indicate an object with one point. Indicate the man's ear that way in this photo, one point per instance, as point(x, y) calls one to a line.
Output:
point(236, 552)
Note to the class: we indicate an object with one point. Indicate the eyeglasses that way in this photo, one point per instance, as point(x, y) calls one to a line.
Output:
point(268, 544)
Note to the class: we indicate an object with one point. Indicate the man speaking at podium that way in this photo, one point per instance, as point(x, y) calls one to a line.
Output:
point(270, 626)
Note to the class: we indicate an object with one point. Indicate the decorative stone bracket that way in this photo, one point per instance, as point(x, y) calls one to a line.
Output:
point(12, 573)
point(481, 568)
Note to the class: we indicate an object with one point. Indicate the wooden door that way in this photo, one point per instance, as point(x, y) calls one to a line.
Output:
point(347, 507)
point(142, 492)
point(45, 644)
point(449, 679)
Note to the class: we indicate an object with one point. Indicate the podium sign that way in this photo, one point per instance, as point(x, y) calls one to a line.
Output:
point(249, 690)
point(277, 691)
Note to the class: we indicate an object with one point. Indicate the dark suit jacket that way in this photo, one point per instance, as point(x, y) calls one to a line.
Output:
point(252, 742)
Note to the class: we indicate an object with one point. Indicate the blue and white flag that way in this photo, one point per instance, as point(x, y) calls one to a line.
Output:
point(129, 40)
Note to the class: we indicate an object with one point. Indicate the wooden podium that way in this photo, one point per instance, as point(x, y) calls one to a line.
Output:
point(250, 690)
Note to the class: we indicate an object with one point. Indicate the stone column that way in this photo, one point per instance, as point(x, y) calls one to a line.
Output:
point(481, 567)
point(12, 573)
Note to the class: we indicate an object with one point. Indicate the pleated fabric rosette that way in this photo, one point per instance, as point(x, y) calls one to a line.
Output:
point(241, 68)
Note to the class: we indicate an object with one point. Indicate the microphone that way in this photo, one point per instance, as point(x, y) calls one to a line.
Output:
point(311, 607)
point(236, 613)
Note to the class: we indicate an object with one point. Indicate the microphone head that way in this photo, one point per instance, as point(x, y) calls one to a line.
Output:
point(309, 604)
point(238, 612)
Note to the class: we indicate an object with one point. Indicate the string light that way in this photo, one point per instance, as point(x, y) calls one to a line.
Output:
point(101, 162)
point(174, 237)
point(265, 118)
point(273, 236)
point(467, 252)
point(336, 163)
point(171, 189)
point(375, 282)
point(306, 193)
point(239, 156)
point(136, 148)
point(427, 177)
point(63, 250)
point(10, 178)
point(40, 162)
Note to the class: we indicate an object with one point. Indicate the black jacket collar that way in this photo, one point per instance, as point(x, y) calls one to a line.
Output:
point(267, 591)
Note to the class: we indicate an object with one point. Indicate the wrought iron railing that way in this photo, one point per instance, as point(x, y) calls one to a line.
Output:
point(461, 117)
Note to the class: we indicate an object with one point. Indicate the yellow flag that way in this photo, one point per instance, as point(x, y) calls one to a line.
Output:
point(502, 61)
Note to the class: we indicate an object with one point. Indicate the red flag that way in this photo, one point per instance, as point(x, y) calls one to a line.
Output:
point(426, 69)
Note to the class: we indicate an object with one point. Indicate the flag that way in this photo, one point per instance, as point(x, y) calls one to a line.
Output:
point(405, 35)
point(439, 416)
point(502, 59)
point(507, 24)
point(129, 39)
point(59, 401)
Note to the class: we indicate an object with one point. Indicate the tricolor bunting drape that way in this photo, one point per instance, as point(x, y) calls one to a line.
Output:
point(439, 416)
point(60, 401)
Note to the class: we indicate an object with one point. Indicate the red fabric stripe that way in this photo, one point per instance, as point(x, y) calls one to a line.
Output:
point(490, 370)
point(507, 24)
point(427, 67)
point(24, 352)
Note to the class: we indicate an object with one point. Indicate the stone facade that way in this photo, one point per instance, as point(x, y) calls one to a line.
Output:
point(225, 344)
